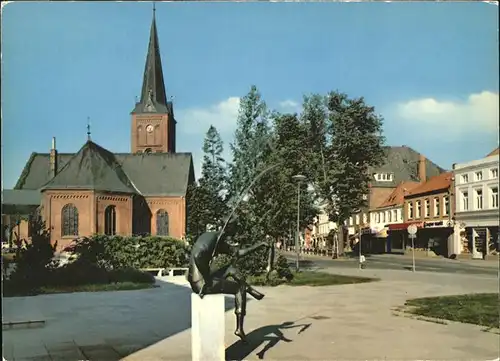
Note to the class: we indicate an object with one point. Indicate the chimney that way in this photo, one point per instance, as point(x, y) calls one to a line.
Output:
point(421, 168)
point(53, 158)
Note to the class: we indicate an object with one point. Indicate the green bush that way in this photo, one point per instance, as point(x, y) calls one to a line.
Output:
point(34, 259)
point(130, 275)
point(78, 273)
point(99, 260)
point(136, 252)
point(282, 268)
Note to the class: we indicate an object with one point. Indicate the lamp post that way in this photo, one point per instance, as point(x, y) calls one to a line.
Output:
point(299, 178)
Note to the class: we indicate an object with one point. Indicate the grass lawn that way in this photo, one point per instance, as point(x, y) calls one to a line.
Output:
point(120, 286)
point(310, 278)
point(480, 309)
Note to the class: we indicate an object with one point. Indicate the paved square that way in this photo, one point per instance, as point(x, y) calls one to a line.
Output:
point(350, 322)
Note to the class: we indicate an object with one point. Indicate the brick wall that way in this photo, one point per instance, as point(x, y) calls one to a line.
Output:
point(157, 139)
point(53, 203)
point(123, 211)
point(176, 209)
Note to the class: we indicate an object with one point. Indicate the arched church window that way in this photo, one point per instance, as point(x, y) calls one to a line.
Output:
point(148, 151)
point(110, 220)
point(162, 223)
point(69, 220)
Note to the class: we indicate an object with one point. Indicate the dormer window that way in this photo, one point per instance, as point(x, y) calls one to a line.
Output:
point(384, 177)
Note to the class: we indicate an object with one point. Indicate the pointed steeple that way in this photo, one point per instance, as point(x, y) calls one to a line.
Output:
point(153, 94)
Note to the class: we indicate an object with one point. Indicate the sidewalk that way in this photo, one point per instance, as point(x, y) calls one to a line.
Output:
point(472, 262)
point(350, 322)
point(491, 263)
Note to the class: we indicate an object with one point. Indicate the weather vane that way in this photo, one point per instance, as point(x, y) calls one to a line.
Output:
point(88, 128)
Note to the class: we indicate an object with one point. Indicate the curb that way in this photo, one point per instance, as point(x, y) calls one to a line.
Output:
point(22, 324)
point(403, 311)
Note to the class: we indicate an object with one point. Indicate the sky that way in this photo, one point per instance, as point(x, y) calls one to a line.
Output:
point(430, 69)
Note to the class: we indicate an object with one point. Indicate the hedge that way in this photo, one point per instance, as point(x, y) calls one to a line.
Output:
point(133, 252)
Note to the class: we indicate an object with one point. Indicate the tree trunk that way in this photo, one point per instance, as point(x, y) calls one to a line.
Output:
point(341, 240)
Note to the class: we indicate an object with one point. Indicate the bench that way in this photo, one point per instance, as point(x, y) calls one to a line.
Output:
point(158, 272)
point(178, 271)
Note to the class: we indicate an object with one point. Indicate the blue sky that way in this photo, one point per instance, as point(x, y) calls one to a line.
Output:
point(431, 70)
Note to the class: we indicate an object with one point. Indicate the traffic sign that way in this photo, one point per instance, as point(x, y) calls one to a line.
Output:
point(412, 229)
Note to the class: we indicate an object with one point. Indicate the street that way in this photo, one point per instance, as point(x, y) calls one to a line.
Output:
point(398, 262)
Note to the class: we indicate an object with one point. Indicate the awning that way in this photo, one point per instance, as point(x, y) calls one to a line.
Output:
point(404, 226)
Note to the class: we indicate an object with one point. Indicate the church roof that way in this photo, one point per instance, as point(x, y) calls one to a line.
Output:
point(21, 197)
point(155, 174)
point(20, 201)
point(93, 168)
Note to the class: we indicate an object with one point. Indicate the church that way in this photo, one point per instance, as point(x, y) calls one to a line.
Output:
point(96, 191)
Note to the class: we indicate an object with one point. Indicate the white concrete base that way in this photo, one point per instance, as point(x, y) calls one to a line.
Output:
point(207, 328)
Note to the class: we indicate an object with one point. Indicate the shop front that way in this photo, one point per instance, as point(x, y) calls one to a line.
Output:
point(374, 240)
point(482, 241)
point(480, 236)
point(398, 240)
point(433, 237)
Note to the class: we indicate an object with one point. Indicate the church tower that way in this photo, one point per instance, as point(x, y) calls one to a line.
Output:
point(153, 123)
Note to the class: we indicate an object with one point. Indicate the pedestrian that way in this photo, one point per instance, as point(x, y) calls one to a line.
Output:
point(362, 261)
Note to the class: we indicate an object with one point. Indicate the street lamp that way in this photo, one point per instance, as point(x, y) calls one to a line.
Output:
point(299, 178)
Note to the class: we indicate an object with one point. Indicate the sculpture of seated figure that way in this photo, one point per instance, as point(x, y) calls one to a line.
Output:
point(206, 280)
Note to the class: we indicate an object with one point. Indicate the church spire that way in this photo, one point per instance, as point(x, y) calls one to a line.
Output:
point(153, 95)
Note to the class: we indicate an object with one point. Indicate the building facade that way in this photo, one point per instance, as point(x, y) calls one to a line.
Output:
point(430, 207)
point(322, 230)
point(402, 164)
point(97, 191)
point(389, 214)
point(477, 212)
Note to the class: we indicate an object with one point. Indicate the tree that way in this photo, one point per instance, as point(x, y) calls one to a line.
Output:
point(207, 198)
point(356, 146)
point(348, 135)
point(314, 119)
point(197, 202)
point(250, 136)
point(277, 190)
point(213, 181)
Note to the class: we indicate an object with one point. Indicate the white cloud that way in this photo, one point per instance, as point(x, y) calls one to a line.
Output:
point(194, 123)
point(289, 105)
point(477, 114)
point(222, 115)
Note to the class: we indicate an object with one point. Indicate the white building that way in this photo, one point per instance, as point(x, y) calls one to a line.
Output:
point(322, 228)
point(476, 205)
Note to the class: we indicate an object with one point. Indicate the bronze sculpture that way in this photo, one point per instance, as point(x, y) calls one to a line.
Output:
point(206, 280)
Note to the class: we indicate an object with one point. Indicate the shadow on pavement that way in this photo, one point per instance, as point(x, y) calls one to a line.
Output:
point(100, 326)
point(271, 334)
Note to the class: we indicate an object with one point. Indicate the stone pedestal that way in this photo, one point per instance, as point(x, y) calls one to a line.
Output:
point(207, 328)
